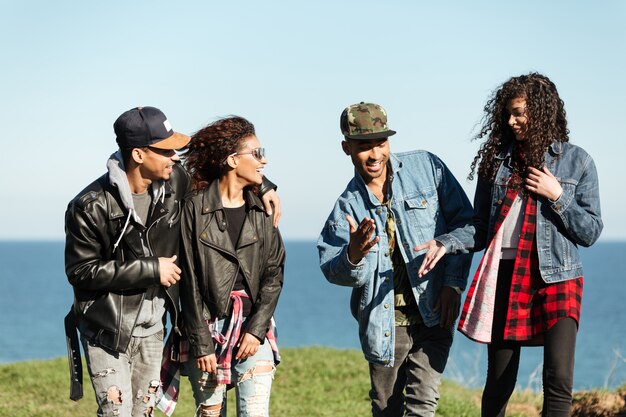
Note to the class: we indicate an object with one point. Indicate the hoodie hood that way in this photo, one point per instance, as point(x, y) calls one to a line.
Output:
point(118, 179)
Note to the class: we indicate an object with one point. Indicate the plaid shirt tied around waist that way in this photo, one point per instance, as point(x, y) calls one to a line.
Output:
point(224, 347)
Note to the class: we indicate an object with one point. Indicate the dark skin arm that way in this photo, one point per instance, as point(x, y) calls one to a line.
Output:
point(272, 202)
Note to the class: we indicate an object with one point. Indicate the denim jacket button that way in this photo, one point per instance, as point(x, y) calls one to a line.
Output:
point(378, 211)
point(387, 334)
point(386, 306)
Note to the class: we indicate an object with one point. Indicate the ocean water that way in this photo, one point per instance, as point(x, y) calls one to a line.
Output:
point(35, 296)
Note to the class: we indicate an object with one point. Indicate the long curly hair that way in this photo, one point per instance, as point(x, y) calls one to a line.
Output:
point(546, 123)
point(205, 155)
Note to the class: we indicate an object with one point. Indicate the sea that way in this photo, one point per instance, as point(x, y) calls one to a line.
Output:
point(35, 296)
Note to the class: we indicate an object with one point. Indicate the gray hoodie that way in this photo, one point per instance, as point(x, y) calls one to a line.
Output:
point(150, 318)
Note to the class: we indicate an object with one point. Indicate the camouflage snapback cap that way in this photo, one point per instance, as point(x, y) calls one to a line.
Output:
point(365, 121)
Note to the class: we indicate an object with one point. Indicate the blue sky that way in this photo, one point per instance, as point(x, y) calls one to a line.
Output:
point(70, 68)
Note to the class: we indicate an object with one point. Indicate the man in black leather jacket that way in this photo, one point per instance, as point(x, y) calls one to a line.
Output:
point(122, 242)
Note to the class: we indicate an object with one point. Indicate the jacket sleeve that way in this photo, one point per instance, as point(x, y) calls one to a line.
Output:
point(456, 210)
point(332, 246)
point(482, 213)
point(457, 213)
point(578, 207)
point(87, 253)
point(266, 186)
point(271, 283)
point(195, 316)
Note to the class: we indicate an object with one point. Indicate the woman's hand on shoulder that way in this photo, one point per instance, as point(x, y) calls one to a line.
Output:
point(271, 201)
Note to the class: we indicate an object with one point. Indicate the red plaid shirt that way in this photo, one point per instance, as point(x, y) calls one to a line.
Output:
point(534, 305)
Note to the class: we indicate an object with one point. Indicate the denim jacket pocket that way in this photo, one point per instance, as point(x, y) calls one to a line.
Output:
point(422, 209)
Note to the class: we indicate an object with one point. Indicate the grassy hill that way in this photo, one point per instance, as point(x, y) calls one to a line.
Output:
point(311, 381)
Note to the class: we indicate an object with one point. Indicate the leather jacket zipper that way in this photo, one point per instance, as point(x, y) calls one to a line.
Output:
point(221, 249)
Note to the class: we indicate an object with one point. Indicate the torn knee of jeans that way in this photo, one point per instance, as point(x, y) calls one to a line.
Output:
point(210, 410)
point(209, 384)
point(149, 398)
point(114, 395)
point(154, 386)
point(104, 372)
point(261, 368)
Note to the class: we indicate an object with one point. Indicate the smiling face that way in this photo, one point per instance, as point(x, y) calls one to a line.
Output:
point(368, 156)
point(518, 118)
point(156, 164)
point(248, 168)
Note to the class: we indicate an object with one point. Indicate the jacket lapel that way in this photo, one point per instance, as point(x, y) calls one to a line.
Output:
point(216, 237)
point(119, 216)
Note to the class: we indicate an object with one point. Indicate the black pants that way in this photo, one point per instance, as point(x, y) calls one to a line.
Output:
point(503, 361)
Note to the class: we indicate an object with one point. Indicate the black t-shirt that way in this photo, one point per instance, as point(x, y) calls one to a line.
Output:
point(235, 218)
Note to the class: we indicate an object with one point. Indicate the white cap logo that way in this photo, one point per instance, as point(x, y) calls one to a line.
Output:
point(167, 125)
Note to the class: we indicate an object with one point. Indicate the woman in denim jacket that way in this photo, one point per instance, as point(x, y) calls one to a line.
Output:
point(536, 200)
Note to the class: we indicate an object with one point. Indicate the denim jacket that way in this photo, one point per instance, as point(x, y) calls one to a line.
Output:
point(573, 219)
point(426, 201)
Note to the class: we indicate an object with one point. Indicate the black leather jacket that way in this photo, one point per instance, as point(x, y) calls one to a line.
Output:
point(210, 266)
point(110, 285)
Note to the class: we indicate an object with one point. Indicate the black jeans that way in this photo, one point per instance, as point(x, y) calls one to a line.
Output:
point(503, 361)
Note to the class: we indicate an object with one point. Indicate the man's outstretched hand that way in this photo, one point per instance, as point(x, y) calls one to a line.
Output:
point(360, 239)
point(435, 252)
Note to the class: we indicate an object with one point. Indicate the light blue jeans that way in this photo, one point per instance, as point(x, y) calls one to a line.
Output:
point(126, 384)
point(252, 379)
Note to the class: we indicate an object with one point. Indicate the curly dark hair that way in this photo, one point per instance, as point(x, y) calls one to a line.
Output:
point(205, 155)
point(546, 124)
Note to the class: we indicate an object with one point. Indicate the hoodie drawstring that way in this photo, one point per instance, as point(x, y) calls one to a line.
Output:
point(123, 230)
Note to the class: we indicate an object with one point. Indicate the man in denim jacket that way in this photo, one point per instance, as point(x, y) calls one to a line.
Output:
point(394, 203)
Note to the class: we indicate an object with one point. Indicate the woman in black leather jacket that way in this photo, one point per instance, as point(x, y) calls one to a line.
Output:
point(232, 262)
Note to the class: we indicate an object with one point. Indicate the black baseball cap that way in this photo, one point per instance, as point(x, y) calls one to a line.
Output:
point(147, 126)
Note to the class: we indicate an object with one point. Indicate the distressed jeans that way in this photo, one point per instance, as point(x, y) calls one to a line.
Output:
point(420, 356)
point(126, 383)
point(252, 378)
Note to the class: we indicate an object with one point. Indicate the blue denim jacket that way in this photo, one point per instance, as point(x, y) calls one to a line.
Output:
point(426, 201)
point(573, 219)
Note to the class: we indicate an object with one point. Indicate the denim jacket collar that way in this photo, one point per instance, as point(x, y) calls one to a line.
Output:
point(555, 148)
point(394, 165)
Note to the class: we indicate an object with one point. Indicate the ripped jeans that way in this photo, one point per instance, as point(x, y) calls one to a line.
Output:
point(126, 383)
point(251, 377)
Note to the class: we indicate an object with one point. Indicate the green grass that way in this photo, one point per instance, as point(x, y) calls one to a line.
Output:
point(311, 381)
